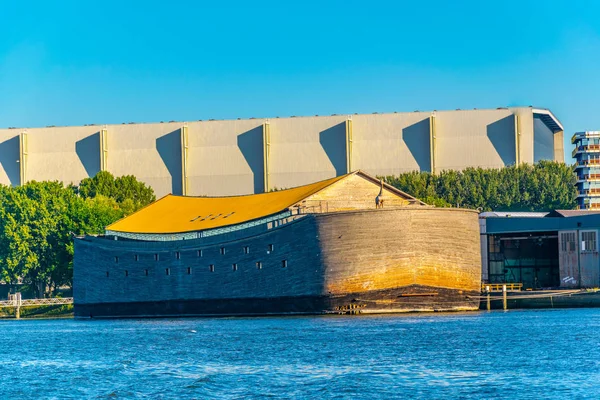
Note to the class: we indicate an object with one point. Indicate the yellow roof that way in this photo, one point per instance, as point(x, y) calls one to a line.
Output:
point(175, 214)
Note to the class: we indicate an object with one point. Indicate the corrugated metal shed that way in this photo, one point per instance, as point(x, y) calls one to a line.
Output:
point(507, 214)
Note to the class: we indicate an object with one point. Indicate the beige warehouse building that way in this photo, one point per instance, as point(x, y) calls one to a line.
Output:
point(219, 158)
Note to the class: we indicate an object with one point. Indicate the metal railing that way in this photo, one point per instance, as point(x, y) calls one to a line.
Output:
point(16, 301)
point(585, 148)
point(590, 177)
point(498, 287)
point(592, 161)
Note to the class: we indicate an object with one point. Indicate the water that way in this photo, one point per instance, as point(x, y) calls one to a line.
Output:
point(552, 354)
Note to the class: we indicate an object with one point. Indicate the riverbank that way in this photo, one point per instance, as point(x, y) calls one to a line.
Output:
point(540, 299)
point(39, 311)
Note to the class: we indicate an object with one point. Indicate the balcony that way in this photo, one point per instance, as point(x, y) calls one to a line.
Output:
point(589, 193)
point(590, 148)
point(585, 163)
point(588, 177)
point(590, 206)
point(583, 135)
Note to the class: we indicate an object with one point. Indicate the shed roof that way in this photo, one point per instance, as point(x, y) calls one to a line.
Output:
point(177, 214)
point(571, 213)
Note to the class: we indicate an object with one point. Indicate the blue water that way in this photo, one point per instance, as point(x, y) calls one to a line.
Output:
point(553, 354)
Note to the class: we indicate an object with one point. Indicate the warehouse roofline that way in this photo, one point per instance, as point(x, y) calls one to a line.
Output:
point(544, 114)
point(548, 119)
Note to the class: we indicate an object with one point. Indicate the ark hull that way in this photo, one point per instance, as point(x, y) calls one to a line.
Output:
point(372, 261)
point(406, 299)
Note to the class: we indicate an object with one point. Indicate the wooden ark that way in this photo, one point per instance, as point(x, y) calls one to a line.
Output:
point(325, 249)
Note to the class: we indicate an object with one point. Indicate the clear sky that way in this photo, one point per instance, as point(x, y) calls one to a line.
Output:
point(80, 62)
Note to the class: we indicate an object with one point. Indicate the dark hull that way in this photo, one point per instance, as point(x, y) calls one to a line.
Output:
point(406, 299)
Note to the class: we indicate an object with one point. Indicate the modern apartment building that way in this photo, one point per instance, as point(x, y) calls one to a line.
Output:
point(587, 168)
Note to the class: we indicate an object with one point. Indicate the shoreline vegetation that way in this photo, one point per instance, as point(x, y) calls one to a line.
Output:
point(38, 312)
point(39, 219)
point(544, 186)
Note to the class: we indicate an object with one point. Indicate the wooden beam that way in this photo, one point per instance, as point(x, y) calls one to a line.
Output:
point(266, 153)
point(184, 159)
point(23, 155)
point(349, 144)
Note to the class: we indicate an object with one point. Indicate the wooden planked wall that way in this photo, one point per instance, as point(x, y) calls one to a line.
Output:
point(384, 249)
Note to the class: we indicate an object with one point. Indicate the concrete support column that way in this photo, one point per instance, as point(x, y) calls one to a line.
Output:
point(184, 159)
point(559, 146)
point(432, 142)
point(517, 140)
point(23, 155)
point(266, 153)
point(103, 149)
point(349, 144)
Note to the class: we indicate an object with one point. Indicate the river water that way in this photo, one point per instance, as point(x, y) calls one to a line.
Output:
point(550, 354)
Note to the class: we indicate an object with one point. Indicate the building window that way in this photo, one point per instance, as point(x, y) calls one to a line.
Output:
point(177, 255)
point(494, 244)
point(258, 265)
point(212, 268)
point(199, 253)
point(146, 272)
point(567, 241)
point(136, 257)
point(234, 267)
point(588, 241)
point(126, 273)
point(116, 260)
point(167, 271)
point(155, 257)
point(271, 248)
point(222, 250)
point(189, 270)
point(246, 249)
point(284, 264)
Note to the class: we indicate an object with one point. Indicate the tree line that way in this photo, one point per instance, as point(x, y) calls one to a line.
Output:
point(39, 219)
point(544, 186)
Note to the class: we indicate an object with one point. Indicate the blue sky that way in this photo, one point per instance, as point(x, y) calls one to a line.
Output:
point(79, 62)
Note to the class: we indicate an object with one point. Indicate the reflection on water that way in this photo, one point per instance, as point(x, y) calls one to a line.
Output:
point(519, 354)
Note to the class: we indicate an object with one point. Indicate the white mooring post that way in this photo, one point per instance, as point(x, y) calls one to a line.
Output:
point(18, 305)
point(489, 304)
point(504, 297)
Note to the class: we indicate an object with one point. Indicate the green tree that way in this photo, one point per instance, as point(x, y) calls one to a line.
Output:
point(38, 221)
point(126, 190)
point(544, 186)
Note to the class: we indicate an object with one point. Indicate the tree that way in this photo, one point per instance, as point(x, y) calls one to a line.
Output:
point(38, 221)
point(544, 186)
point(125, 190)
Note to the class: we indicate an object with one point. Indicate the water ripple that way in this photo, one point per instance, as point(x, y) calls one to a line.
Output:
point(552, 354)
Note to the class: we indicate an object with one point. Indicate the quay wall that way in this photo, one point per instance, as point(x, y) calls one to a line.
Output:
point(220, 158)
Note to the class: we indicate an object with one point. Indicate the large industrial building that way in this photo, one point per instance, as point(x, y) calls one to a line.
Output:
point(221, 158)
